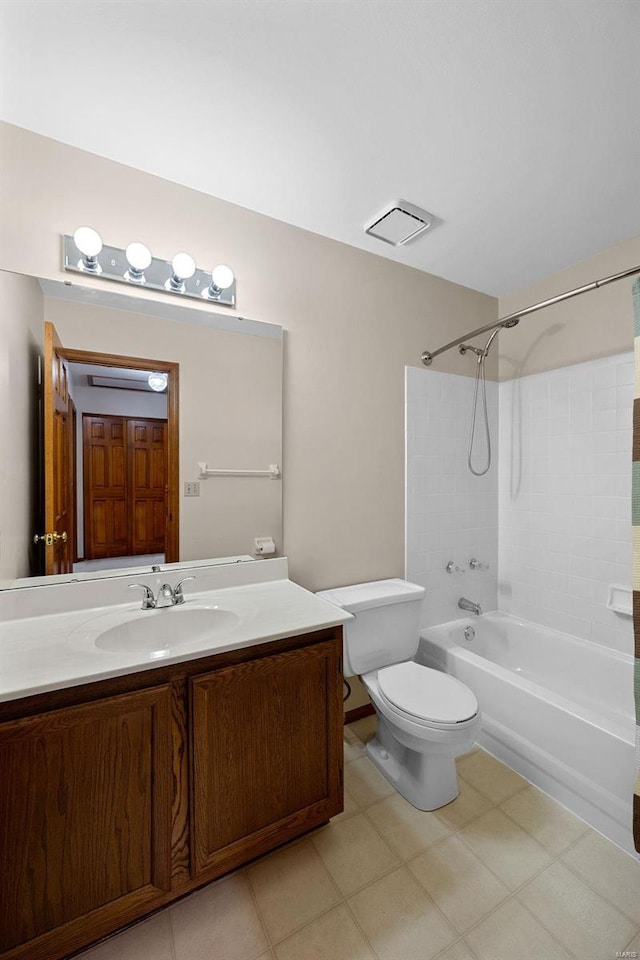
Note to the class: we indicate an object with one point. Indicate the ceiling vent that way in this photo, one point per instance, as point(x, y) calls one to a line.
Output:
point(399, 223)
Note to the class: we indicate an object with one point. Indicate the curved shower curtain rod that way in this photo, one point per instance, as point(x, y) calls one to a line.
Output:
point(513, 318)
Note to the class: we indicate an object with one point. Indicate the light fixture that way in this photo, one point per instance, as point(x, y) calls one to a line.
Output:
point(136, 266)
point(158, 381)
point(184, 267)
point(89, 243)
point(221, 279)
point(139, 258)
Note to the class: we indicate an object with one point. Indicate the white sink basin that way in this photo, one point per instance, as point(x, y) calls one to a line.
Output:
point(158, 632)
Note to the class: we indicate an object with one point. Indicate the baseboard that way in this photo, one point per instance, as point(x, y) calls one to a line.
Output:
point(358, 713)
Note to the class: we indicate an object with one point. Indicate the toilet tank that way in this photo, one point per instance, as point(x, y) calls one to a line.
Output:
point(386, 625)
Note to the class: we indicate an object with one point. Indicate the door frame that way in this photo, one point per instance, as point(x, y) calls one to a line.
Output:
point(172, 544)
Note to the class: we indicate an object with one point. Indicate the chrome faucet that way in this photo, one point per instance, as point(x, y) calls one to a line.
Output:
point(174, 595)
point(470, 605)
point(148, 600)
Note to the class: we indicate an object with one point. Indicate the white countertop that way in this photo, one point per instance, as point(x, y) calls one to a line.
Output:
point(55, 650)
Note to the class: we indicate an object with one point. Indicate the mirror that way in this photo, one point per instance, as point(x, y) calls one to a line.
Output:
point(226, 376)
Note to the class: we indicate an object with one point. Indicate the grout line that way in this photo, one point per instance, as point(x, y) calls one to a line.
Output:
point(631, 941)
point(263, 924)
point(598, 893)
point(587, 828)
point(452, 945)
point(172, 942)
point(357, 923)
point(513, 894)
point(307, 923)
point(545, 927)
point(341, 900)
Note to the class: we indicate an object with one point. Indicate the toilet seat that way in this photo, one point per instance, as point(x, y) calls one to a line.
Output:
point(425, 695)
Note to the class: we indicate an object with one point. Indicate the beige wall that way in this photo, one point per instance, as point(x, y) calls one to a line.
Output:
point(595, 324)
point(230, 416)
point(353, 321)
point(21, 315)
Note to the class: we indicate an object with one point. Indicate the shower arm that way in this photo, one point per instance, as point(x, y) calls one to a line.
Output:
point(513, 318)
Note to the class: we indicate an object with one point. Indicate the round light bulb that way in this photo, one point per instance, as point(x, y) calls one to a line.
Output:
point(138, 256)
point(183, 266)
point(88, 241)
point(158, 381)
point(222, 276)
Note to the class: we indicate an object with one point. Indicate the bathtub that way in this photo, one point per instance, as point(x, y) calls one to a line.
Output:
point(557, 709)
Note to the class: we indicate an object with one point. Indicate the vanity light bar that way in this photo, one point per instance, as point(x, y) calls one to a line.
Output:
point(84, 253)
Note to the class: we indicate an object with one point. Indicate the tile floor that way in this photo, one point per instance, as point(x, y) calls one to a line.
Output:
point(501, 873)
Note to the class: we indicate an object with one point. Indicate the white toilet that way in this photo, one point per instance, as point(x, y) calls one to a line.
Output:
point(425, 718)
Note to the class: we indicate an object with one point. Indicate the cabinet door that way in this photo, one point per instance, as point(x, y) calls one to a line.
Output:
point(267, 753)
point(85, 819)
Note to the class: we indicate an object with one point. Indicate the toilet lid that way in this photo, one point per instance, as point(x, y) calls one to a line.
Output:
point(427, 694)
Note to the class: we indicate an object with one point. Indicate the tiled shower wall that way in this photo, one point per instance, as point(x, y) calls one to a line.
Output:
point(451, 515)
point(555, 506)
point(565, 497)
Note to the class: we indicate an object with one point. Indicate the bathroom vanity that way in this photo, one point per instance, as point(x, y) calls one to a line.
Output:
point(152, 771)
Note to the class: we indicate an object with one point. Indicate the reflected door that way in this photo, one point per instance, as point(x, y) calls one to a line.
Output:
point(105, 487)
point(58, 460)
point(125, 486)
point(148, 484)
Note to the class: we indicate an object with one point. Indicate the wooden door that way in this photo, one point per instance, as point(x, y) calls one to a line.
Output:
point(267, 753)
point(105, 487)
point(57, 456)
point(147, 448)
point(85, 818)
point(74, 480)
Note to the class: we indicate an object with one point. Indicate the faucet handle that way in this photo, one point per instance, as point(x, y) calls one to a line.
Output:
point(477, 564)
point(177, 590)
point(148, 600)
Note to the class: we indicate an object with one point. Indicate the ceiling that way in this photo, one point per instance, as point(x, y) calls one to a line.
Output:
point(514, 122)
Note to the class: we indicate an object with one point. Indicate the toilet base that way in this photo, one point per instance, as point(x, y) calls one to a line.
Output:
point(427, 781)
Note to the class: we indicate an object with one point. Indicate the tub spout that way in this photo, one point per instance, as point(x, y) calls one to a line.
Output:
point(470, 605)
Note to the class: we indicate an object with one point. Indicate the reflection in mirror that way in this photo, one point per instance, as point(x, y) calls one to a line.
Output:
point(89, 450)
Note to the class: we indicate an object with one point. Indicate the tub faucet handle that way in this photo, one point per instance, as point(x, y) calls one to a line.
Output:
point(452, 567)
point(477, 564)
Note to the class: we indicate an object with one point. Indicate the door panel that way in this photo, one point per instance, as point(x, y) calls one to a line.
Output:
point(148, 484)
point(58, 459)
point(96, 780)
point(264, 736)
point(105, 486)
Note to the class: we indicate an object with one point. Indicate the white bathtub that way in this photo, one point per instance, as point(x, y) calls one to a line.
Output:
point(557, 709)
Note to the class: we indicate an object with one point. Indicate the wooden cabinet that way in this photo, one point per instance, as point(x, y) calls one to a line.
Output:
point(262, 745)
point(129, 793)
point(85, 809)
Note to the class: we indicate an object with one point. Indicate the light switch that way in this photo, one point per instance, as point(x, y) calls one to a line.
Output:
point(192, 488)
